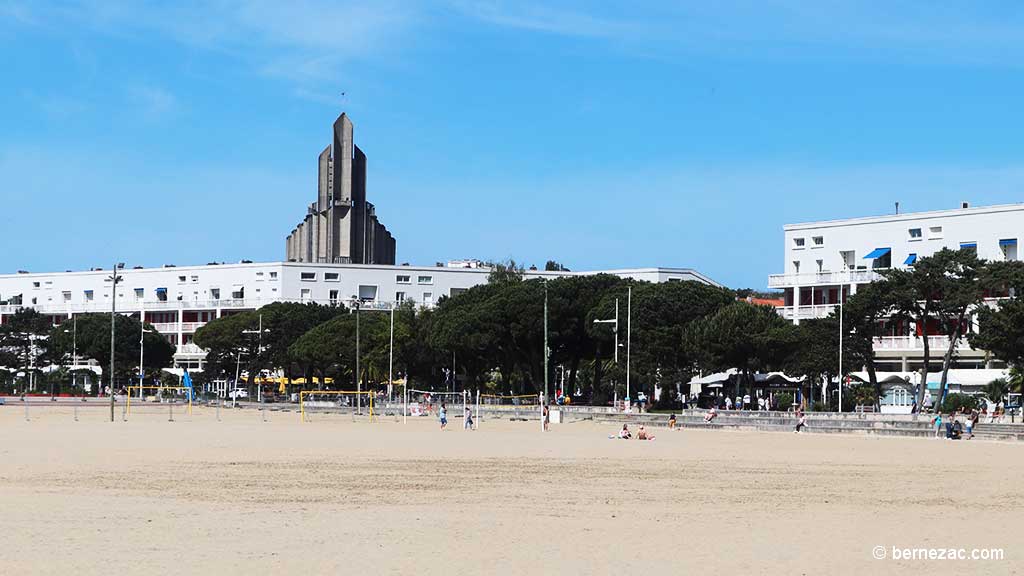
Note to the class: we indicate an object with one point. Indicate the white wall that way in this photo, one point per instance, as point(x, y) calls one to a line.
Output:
point(986, 226)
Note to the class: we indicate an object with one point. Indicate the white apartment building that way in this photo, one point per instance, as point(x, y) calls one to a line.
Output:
point(178, 300)
point(828, 260)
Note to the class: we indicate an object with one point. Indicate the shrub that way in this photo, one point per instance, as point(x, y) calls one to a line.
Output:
point(784, 401)
point(954, 402)
point(819, 406)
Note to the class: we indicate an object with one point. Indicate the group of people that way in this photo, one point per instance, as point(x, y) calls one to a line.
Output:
point(953, 424)
point(745, 402)
point(467, 418)
point(625, 434)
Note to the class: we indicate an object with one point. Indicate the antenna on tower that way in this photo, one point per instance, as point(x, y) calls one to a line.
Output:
point(897, 208)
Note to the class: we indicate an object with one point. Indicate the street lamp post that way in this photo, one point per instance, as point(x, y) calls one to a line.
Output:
point(359, 383)
point(615, 330)
point(547, 351)
point(114, 279)
point(840, 351)
point(629, 335)
point(259, 350)
point(142, 347)
point(74, 349)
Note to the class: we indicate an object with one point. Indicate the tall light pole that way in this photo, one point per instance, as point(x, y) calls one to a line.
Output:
point(114, 279)
point(74, 350)
point(547, 351)
point(259, 350)
point(629, 336)
point(615, 330)
point(391, 355)
point(840, 350)
point(359, 383)
point(142, 340)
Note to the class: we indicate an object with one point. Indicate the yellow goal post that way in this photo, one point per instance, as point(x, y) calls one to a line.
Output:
point(316, 398)
point(185, 389)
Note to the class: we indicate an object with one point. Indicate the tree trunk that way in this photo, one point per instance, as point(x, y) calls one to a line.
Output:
point(948, 358)
point(573, 369)
point(873, 378)
point(598, 372)
point(926, 358)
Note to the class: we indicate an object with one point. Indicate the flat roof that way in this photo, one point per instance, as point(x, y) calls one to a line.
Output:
point(390, 267)
point(908, 216)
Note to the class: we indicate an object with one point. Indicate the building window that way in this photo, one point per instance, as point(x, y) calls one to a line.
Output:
point(308, 276)
point(67, 296)
point(161, 294)
point(428, 297)
point(969, 246)
point(934, 232)
point(818, 241)
point(819, 263)
point(333, 295)
point(88, 295)
point(259, 276)
point(306, 294)
point(181, 279)
point(1009, 248)
point(139, 294)
point(273, 275)
point(914, 233)
point(796, 266)
point(180, 296)
point(238, 292)
point(848, 259)
point(331, 277)
point(403, 279)
point(215, 293)
point(367, 293)
point(456, 291)
point(195, 279)
point(35, 285)
point(425, 280)
point(399, 297)
point(798, 242)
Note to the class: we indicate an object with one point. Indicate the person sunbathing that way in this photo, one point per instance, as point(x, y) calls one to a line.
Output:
point(625, 434)
point(642, 434)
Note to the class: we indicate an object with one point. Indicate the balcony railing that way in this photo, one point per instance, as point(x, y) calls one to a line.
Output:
point(190, 350)
point(937, 344)
point(822, 278)
point(172, 327)
point(805, 312)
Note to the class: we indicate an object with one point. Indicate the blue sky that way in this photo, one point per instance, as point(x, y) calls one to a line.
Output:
point(600, 134)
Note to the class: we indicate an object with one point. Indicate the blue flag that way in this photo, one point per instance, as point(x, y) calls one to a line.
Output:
point(186, 381)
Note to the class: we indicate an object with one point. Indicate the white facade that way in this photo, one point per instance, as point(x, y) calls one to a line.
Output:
point(825, 260)
point(178, 300)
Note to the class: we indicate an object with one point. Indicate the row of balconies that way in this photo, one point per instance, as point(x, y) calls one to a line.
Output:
point(129, 305)
point(822, 278)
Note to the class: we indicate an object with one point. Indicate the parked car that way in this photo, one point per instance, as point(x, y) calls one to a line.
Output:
point(238, 393)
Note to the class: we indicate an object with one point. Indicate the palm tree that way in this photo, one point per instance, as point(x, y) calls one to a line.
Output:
point(996, 390)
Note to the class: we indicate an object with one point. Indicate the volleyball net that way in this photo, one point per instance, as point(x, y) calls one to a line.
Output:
point(157, 397)
point(323, 404)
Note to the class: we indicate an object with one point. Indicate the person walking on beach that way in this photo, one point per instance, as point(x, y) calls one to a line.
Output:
point(801, 421)
point(547, 417)
point(443, 413)
point(467, 420)
point(937, 421)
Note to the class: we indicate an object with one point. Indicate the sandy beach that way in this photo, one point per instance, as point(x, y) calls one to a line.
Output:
point(333, 496)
